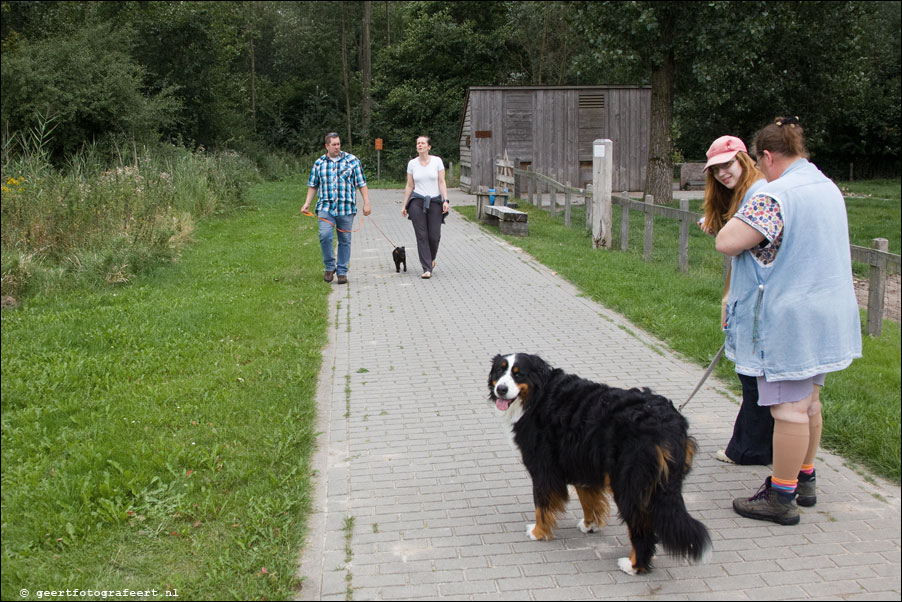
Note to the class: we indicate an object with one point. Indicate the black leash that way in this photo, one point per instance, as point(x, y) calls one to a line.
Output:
point(704, 378)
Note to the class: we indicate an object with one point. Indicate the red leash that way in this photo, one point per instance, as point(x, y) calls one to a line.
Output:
point(333, 224)
point(352, 231)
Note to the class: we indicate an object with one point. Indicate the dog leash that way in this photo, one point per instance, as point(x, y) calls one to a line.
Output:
point(704, 377)
point(393, 245)
point(362, 219)
point(308, 214)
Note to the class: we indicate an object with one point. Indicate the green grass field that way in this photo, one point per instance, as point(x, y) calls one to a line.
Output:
point(158, 435)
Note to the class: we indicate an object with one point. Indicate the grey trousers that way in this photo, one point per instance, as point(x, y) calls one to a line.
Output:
point(428, 230)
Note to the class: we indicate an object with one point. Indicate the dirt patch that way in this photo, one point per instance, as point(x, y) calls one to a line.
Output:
point(891, 299)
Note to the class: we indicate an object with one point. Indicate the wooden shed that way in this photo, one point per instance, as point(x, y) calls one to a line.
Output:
point(552, 128)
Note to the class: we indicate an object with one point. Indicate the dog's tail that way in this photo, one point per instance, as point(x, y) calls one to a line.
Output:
point(680, 534)
point(677, 531)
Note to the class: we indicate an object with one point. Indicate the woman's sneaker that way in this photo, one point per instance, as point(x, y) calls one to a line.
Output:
point(767, 504)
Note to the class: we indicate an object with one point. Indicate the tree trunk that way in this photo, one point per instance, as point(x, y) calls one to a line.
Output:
point(388, 23)
point(659, 170)
point(253, 89)
point(366, 68)
point(346, 73)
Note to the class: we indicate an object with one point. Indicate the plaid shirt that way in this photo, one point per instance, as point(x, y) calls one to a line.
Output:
point(337, 182)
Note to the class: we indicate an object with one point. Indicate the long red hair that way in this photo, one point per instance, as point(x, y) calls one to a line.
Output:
point(721, 202)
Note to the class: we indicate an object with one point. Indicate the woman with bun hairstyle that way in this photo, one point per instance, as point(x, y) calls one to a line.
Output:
point(731, 179)
point(791, 315)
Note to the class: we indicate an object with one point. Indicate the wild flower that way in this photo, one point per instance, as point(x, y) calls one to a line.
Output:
point(13, 185)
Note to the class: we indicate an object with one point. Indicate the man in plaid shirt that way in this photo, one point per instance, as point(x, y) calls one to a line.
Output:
point(337, 176)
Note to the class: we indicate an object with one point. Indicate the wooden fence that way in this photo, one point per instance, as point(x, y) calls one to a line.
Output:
point(536, 185)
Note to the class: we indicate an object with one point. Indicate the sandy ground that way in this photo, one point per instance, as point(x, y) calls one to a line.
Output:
point(891, 308)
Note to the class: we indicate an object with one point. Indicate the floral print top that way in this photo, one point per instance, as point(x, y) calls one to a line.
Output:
point(763, 213)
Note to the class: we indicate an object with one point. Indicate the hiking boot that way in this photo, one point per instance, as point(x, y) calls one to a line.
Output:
point(807, 490)
point(328, 275)
point(342, 279)
point(767, 504)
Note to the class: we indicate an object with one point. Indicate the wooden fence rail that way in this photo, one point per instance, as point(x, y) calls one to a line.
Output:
point(880, 261)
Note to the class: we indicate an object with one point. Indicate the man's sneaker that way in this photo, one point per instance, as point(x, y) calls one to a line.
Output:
point(328, 275)
point(342, 279)
point(807, 491)
point(767, 504)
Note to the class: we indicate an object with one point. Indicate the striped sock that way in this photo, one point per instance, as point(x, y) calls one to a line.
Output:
point(784, 487)
point(807, 472)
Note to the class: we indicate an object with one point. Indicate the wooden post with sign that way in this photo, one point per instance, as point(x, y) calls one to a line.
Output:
point(602, 177)
point(378, 158)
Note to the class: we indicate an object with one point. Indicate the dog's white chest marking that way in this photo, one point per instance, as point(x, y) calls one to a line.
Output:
point(514, 410)
point(510, 417)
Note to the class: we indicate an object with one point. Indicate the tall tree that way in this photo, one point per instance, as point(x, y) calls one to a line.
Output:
point(659, 35)
point(834, 64)
point(366, 68)
point(346, 70)
point(541, 41)
point(195, 48)
point(659, 169)
point(87, 81)
point(420, 81)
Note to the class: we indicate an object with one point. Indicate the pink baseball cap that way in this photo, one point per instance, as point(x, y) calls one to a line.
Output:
point(723, 149)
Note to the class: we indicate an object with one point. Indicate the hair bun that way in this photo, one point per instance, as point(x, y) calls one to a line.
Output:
point(790, 121)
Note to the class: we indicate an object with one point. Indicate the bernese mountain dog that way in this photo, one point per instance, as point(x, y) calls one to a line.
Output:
point(630, 443)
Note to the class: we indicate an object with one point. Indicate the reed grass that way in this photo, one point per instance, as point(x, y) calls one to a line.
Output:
point(88, 223)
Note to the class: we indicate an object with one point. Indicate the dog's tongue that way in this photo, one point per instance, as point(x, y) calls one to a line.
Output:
point(502, 404)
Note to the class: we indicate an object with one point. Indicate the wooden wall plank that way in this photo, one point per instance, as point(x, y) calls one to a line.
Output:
point(547, 127)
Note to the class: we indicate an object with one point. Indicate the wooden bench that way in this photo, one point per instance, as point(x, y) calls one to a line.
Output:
point(510, 221)
point(484, 199)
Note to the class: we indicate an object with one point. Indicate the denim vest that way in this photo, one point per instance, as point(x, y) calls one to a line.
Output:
point(798, 316)
point(756, 187)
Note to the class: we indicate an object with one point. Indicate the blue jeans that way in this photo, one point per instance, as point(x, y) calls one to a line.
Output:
point(326, 231)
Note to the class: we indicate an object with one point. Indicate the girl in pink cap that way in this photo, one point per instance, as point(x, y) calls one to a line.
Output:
point(732, 178)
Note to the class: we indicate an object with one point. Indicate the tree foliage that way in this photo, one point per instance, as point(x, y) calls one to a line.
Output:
point(88, 81)
point(278, 75)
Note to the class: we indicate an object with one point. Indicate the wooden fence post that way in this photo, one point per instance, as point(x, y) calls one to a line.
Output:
point(649, 227)
point(567, 199)
point(588, 199)
point(530, 184)
point(482, 196)
point(684, 236)
point(602, 178)
point(517, 184)
point(625, 223)
point(553, 189)
point(877, 289)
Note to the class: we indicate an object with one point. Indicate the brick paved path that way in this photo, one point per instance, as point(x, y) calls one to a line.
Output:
point(415, 469)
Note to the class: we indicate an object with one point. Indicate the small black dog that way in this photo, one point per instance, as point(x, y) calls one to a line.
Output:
point(400, 256)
